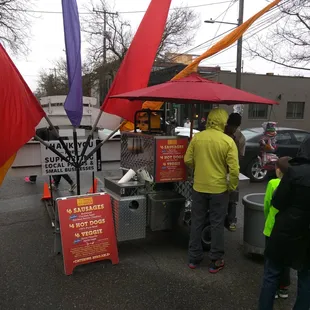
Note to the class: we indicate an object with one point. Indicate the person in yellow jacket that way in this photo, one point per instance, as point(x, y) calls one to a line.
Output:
point(210, 153)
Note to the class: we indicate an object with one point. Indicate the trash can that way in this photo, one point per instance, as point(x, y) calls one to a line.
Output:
point(254, 222)
point(164, 210)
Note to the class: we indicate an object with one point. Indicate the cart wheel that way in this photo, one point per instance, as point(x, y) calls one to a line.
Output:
point(248, 255)
point(206, 238)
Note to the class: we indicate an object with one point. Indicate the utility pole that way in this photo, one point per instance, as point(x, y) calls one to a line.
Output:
point(239, 47)
point(105, 13)
point(239, 44)
point(104, 37)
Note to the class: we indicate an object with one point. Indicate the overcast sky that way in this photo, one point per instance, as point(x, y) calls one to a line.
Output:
point(47, 39)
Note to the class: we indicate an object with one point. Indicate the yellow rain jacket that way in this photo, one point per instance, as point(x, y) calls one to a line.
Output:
point(211, 153)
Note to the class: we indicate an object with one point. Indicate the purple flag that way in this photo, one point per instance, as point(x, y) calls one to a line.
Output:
point(74, 101)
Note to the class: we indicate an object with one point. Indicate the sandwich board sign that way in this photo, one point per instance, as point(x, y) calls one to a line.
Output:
point(87, 230)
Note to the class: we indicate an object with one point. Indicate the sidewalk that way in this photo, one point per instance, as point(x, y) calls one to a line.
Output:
point(152, 273)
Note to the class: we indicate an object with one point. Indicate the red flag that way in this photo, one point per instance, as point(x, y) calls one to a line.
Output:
point(134, 72)
point(20, 112)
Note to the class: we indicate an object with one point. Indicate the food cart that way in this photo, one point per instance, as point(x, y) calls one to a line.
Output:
point(160, 195)
point(151, 199)
point(156, 188)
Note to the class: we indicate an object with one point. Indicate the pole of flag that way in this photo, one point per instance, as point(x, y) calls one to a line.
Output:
point(90, 136)
point(77, 165)
point(84, 160)
point(59, 138)
point(74, 101)
point(47, 144)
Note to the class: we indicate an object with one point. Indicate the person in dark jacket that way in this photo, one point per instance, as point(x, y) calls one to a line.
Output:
point(42, 133)
point(48, 134)
point(232, 129)
point(289, 243)
point(202, 125)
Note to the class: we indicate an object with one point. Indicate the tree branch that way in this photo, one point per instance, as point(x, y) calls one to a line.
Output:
point(179, 32)
point(15, 25)
point(288, 42)
point(256, 54)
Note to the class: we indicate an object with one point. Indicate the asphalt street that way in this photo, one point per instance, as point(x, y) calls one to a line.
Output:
point(152, 273)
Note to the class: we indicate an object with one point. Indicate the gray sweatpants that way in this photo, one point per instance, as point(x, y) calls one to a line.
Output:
point(217, 205)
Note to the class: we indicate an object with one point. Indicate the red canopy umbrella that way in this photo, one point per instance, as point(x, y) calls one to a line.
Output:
point(194, 89)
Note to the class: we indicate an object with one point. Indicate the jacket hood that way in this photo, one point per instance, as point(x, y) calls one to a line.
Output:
point(300, 165)
point(304, 149)
point(217, 119)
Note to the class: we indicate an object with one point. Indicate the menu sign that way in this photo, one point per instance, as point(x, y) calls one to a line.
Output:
point(87, 230)
point(169, 163)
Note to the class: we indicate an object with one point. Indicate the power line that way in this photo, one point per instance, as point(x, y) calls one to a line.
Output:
point(270, 16)
point(265, 20)
point(262, 26)
point(121, 12)
point(195, 47)
point(224, 15)
point(190, 7)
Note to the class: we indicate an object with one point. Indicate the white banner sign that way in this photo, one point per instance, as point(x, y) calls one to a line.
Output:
point(52, 164)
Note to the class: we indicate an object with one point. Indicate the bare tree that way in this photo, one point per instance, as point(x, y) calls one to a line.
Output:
point(287, 43)
point(15, 24)
point(55, 82)
point(179, 32)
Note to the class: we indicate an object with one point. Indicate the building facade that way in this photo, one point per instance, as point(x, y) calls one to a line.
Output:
point(292, 93)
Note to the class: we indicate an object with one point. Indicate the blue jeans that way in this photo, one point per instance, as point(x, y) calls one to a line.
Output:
point(270, 286)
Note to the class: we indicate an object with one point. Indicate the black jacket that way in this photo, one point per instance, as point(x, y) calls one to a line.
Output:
point(290, 239)
point(202, 126)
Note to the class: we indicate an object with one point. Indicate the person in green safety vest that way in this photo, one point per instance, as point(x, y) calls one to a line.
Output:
point(270, 216)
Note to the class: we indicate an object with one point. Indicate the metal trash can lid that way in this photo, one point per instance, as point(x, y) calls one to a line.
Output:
point(166, 196)
point(254, 201)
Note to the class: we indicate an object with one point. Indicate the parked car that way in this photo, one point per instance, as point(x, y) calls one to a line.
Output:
point(179, 131)
point(104, 133)
point(184, 132)
point(288, 142)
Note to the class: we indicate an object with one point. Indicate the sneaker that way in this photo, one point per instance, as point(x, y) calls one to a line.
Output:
point(283, 293)
point(216, 266)
point(72, 188)
point(232, 227)
point(276, 296)
point(193, 265)
point(54, 187)
point(27, 180)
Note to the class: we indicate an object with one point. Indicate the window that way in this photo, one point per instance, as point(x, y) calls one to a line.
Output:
point(295, 110)
point(258, 111)
point(300, 136)
point(284, 138)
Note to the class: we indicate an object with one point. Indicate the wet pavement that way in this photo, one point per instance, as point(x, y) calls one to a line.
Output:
point(152, 273)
